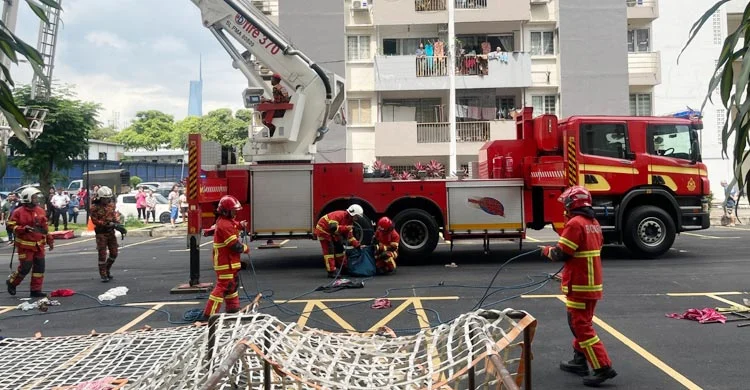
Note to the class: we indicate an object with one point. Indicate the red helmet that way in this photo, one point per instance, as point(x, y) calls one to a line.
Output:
point(227, 203)
point(575, 197)
point(276, 76)
point(385, 224)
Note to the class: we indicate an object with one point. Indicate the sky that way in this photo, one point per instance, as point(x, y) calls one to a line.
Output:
point(135, 55)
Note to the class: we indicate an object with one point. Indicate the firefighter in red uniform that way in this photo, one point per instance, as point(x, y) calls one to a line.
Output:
point(105, 219)
point(226, 258)
point(580, 247)
point(386, 246)
point(332, 230)
point(29, 224)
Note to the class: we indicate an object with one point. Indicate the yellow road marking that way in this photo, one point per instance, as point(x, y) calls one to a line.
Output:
point(205, 243)
point(309, 307)
point(645, 354)
point(140, 318)
point(392, 315)
point(703, 294)
point(76, 242)
point(335, 317)
point(6, 309)
point(705, 236)
point(454, 298)
point(532, 239)
point(142, 242)
point(163, 303)
point(283, 242)
point(718, 298)
point(424, 322)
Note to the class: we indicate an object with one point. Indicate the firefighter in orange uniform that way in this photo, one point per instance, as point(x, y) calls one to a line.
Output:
point(29, 224)
point(227, 252)
point(580, 248)
point(332, 230)
point(386, 246)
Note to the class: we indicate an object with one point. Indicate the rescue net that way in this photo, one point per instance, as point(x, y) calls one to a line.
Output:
point(258, 351)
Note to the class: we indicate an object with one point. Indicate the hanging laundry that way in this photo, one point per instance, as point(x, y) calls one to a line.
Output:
point(438, 48)
point(475, 113)
point(462, 111)
point(430, 53)
point(488, 113)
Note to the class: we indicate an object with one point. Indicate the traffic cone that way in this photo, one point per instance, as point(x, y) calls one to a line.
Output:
point(90, 226)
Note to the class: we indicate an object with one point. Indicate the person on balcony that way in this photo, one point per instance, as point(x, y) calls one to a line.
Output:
point(280, 96)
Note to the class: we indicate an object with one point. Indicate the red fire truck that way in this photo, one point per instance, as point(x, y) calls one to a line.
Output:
point(645, 173)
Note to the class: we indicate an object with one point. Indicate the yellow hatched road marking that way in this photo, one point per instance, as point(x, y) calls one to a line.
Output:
point(447, 298)
point(392, 315)
point(140, 318)
point(75, 242)
point(718, 298)
point(532, 239)
point(6, 309)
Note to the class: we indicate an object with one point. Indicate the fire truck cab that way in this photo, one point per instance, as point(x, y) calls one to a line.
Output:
point(645, 173)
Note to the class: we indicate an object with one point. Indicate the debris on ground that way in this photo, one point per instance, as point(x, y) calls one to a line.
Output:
point(704, 316)
point(41, 304)
point(113, 293)
point(451, 265)
point(63, 292)
point(381, 303)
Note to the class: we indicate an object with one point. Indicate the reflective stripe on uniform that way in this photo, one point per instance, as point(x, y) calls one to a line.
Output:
point(588, 347)
point(570, 244)
point(233, 295)
point(575, 305)
point(226, 276)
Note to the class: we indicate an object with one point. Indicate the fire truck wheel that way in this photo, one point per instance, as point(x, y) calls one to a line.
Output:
point(649, 231)
point(419, 233)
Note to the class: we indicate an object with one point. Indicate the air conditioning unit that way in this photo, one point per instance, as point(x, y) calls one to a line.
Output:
point(360, 5)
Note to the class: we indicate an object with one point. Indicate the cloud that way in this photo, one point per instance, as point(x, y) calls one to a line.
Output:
point(106, 38)
point(169, 44)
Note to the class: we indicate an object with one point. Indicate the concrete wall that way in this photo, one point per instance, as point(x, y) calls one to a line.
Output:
point(593, 57)
point(317, 29)
point(113, 151)
point(404, 12)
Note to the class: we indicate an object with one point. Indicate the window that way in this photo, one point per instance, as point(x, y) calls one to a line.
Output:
point(721, 117)
point(360, 111)
point(639, 40)
point(716, 21)
point(358, 47)
point(542, 43)
point(102, 155)
point(404, 46)
point(604, 139)
point(128, 199)
point(546, 104)
point(670, 141)
point(504, 105)
point(640, 104)
point(425, 110)
point(474, 42)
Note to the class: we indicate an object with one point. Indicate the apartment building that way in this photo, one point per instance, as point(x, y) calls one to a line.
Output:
point(686, 83)
point(560, 57)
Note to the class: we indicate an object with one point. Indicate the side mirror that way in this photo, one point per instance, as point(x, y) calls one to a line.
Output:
point(694, 154)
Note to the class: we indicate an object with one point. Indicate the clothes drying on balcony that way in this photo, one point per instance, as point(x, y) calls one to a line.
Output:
point(476, 113)
point(439, 48)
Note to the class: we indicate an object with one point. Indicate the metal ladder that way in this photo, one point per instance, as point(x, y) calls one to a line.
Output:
point(47, 46)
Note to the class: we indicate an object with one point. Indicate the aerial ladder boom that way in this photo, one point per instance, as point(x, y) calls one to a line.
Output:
point(316, 95)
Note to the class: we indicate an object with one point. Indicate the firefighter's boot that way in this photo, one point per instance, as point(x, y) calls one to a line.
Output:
point(110, 261)
point(600, 375)
point(577, 365)
point(11, 287)
point(37, 294)
point(333, 273)
point(103, 273)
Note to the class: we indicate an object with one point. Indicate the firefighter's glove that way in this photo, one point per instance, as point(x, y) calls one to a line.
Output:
point(243, 225)
point(28, 229)
point(121, 228)
point(51, 245)
point(245, 249)
point(547, 252)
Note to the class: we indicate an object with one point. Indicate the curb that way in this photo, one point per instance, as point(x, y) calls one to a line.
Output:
point(156, 231)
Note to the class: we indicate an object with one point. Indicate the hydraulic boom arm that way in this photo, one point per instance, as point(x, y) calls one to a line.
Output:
point(316, 96)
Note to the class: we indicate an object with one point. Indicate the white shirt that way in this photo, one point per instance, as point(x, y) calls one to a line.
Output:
point(60, 201)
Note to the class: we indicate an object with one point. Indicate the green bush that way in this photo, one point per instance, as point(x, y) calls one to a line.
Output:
point(134, 181)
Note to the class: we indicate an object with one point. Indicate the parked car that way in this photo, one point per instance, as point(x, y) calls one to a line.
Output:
point(126, 206)
point(23, 187)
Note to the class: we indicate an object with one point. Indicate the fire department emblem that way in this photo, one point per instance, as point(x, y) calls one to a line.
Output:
point(239, 19)
point(691, 184)
point(490, 206)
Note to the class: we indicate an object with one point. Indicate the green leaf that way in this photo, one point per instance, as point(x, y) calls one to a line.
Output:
point(699, 23)
point(38, 10)
point(727, 78)
point(52, 3)
point(6, 73)
point(8, 50)
point(742, 80)
point(28, 51)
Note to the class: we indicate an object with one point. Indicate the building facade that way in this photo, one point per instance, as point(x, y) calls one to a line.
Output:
point(685, 84)
point(102, 150)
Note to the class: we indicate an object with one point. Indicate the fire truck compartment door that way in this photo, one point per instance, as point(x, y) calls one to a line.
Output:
point(487, 206)
point(281, 200)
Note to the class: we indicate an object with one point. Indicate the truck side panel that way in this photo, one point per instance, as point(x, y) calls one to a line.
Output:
point(485, 207)
point(281, 200)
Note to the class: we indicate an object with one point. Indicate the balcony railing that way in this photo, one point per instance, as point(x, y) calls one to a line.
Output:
point(471, 4)
point(640, 3)
point(467, 65)
point(465, 132)
point(429, 5)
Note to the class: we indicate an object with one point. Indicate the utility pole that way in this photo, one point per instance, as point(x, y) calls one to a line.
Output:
point(452, 166)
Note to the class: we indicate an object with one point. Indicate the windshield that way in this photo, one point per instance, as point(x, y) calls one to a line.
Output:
point(674, 141)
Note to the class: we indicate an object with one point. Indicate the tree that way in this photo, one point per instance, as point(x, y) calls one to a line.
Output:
point(151, 130)
point(189, 125)
point(10, 44)
point(220, 126)
point(67, 126)
point(103, 133)
point(244, 115)
point(734, 90)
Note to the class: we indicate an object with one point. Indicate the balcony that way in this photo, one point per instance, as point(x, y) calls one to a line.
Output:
point(397, 73)
point(412, 139)
point(414, 12)
point(644, 68)
point(645, 10)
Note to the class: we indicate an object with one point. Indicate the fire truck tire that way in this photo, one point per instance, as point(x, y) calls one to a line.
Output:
point(649, 232)
point(419, 233)
point(363, 230)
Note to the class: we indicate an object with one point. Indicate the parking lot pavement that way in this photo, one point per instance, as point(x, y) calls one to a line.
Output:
point(704, 269)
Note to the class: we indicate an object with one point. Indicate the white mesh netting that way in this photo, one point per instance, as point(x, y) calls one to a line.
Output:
point(258, 351)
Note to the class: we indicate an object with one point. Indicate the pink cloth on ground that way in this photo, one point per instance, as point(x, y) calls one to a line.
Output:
point(701, 315)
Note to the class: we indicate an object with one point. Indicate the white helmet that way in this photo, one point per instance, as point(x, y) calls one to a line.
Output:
point(104, 192)
point(355, 210)
point(27, 195)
